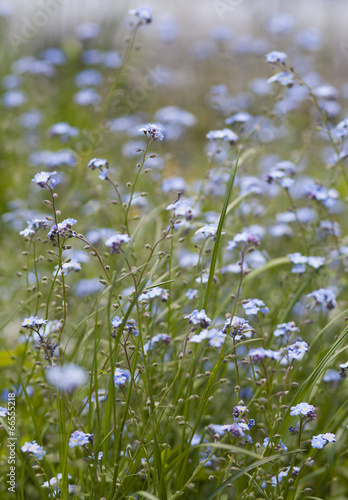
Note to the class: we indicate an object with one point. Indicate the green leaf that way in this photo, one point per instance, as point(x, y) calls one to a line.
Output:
point(246, 469)
point(218, 233)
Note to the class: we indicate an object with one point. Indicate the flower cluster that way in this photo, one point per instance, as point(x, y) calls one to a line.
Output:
point(121, 377)
point(115, 242)
point(152, 132)
point(253, 306)
point(159, 337)
point(98, 163)
point(79, 438)
point(130, 326)
point(62, 229)
point(300, 262)
point(155, 292)
point(324, 297)
point(35, 449)
point(322, 440)
point(198, 318)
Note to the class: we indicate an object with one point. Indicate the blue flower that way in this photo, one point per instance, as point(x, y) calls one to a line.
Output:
point(42, 178)
point(253, 306)
point(33, 226)
point(284, 78)
point(198, 318)
point(160, 337)
point(121, 376)
point(324, 297)
point(35, 449)
point(3, 411)
point(297, 350)
point(302, 409)
point(87, 97)
point(67, 377)
point(237, 327)
point(144, 14)
point(260, 354)
point(79, 438)
point(222, 135)
point(99, 163)
point(191, 293)
point(115, 242)
point(285, 329)
point(246, 239)
point(276, 57)
point(33, 322)
point(319, 441)
point(155, 292)
point(64, 130)
point(152, 132)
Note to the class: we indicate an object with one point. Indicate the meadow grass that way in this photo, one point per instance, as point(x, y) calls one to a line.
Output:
point(174, 304)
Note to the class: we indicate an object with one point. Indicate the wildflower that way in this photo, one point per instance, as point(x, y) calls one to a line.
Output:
point(285, 329)
point(144, 14)
point(330, 438)
point(181, 209)
point(239, 410)
point(87, 97)
point(208, 230)
point(300, 262)
point(33, 226)
point(237, 327)
point(99, 163)
point(324, 297)
point(66, 377)
point(322, 194)
point(35, 449)
point(3, 411)
point(155, 292)
point(54, 481)
point(79, 438)
point(342, 128)
point(191, 293)
point(88, 78)
point(223, 135)
point(236, 429)
point(64, 130)
point(247, 239)
point(199, 318)
point(42, 178)
point(297, 350)
point(284, 78)
point(62, 229)
point(174, 184)
point(240, 117)
point(321, 440)
point(259, 354)
point(343, 368)
point(33, 322)
point(276, 57)
point(121, 377)
point(332, 376)
point(152, 132)
point(72, 265)
point(129, 326)
point(253, 306)
point(303, 409)
point(116, 322)
point(160, 337)
point(278, 479)
point(116, 241)
point(216, 338)
point(87, 31)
